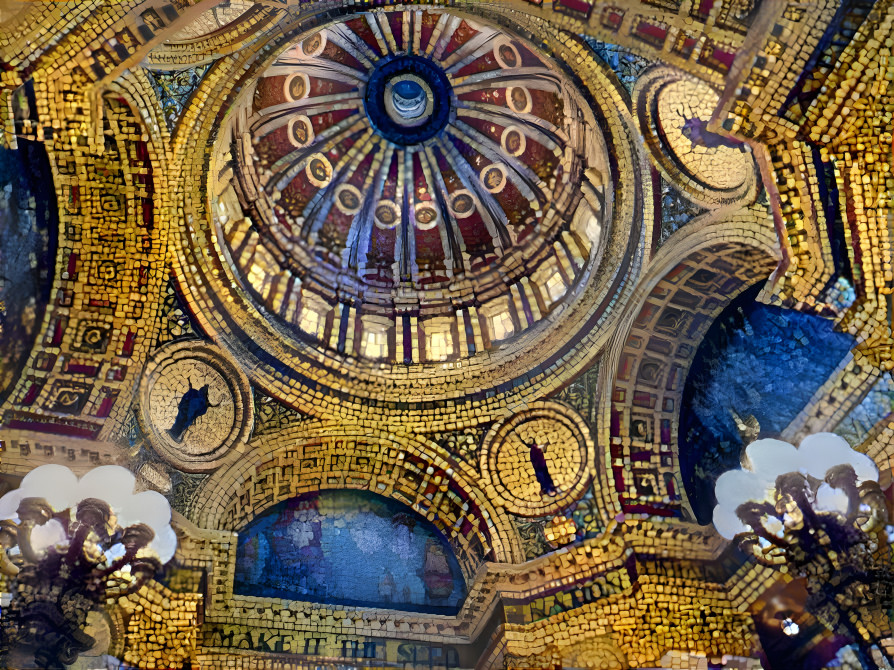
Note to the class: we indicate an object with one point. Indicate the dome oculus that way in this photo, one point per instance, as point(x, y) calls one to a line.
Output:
point(407, 99)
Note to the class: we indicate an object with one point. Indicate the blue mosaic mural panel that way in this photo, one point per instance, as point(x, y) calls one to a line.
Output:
point(755, 361)
point(28, 230)
point(349, 548)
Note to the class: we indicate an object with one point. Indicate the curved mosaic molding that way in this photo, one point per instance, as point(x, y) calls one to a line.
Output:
point(640, 26)
point(249, 26)
point(699, 270)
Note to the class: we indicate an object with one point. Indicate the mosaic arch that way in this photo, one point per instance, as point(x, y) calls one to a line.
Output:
point(410, 470)
point(688, 285)
point(107, 277)
point(349, 233)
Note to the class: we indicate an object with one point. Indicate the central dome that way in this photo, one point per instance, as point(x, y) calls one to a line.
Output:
point(404, 202)
point(407, 166)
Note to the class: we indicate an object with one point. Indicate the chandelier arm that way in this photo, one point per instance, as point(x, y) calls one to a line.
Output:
point(129, 555)
point(76, 548)
point(8, 539)
point(23, 537)
point(750, 546)
point(763, 532)
point(7, 567)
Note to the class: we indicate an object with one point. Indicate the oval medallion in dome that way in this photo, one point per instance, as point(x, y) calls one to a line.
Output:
point(407, 196)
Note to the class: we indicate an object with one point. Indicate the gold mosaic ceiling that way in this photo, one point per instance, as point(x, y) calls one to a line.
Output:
point(583, 365)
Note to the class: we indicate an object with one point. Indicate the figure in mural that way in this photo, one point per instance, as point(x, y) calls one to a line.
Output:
point(192, 405)
point(697, 132)
point(387, 587)
point(541, 471)
point(436, 573)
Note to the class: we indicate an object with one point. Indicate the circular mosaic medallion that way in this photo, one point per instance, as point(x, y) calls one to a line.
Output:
point(513, 141)
point(462, 204)
point(314, 44)
point(319, 170)
point(300, 131)
point(348, 198)
point(493, 178)
point(506, 54)
point(710, 168)
point(296, 86)
point(519, 99)
point(386, 215)
point(426, 216)
point(194, 404)
point(538, 461)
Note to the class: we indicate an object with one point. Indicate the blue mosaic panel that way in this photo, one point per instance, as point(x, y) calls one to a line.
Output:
point(349, 548)
point(174, 88)
point(755, 360)
point(623, 62)
point(28, 224)
point(676, 212)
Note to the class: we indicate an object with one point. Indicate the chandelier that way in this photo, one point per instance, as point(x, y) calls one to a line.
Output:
point(68, 546)
point(817, 512)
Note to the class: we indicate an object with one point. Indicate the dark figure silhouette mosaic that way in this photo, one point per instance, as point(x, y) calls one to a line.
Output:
point(541, 470)
point(192, 405)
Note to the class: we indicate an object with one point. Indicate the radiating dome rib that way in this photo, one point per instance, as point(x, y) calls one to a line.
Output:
point(447, 232)
point(347, 40)
point(317, 209)
point(531, 77)
point(489, 207)
point(274, 118)
point(288, 167)
point(360, 226)
point(530, 184)
point(468, 52)
point(319, 67)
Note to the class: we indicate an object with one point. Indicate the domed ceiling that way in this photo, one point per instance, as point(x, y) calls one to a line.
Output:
point(413, 157)
point(418, 188)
